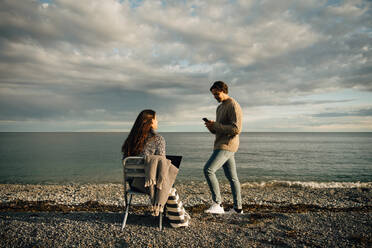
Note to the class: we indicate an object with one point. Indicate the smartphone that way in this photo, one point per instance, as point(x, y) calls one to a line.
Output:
point(205, 119)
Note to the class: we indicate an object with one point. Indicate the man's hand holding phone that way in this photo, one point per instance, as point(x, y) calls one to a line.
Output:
point(208, 123)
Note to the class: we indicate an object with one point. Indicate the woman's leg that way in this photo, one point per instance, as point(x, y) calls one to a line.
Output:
point(176, 213)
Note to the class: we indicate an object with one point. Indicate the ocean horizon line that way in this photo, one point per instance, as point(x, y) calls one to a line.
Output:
point(185, 132)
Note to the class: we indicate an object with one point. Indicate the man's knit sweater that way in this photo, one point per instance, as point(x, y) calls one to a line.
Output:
point(228, 125)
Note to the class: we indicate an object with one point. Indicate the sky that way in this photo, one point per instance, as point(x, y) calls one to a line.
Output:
point(93, 65)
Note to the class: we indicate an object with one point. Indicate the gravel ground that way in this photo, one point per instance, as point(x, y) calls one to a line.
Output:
point(91, 215)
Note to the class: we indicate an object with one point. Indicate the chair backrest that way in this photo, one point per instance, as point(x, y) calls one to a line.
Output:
point(133, 167)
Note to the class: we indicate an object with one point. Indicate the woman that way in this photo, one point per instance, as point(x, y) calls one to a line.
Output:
point(143, 140)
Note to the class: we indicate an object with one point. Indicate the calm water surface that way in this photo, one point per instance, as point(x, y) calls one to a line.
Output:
point(95, 157)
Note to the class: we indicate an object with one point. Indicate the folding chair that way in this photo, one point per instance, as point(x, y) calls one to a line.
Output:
point(134, 167)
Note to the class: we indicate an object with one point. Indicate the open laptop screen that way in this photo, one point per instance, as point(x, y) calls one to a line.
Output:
point(176, 160)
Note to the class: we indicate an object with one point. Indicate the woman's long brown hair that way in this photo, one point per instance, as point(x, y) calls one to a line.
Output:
point(140, 131)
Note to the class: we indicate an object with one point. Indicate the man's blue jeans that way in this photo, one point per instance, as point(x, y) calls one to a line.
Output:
point(225, 159)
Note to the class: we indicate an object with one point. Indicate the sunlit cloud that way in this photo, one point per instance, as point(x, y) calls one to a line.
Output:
point(99, 63)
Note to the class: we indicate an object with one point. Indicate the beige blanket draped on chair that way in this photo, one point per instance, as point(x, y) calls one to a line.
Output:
point(160, 175)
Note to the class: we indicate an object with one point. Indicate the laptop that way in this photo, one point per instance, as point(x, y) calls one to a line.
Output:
point(176, 160)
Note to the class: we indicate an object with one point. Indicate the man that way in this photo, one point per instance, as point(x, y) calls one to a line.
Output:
point(226, 128)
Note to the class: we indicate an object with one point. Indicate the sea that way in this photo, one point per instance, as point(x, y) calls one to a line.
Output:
point(283, 158)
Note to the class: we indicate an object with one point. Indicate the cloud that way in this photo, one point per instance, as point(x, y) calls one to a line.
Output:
point(106, 60)
point(361, 112)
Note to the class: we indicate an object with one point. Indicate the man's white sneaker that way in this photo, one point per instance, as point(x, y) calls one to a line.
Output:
point(233, 211)
point(215, 209)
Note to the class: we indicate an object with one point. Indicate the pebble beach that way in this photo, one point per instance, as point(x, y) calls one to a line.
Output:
point(275, 215)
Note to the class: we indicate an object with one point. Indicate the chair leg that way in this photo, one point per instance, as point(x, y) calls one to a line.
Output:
point(161, 221)
point(126, 212)
point(126, 199)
